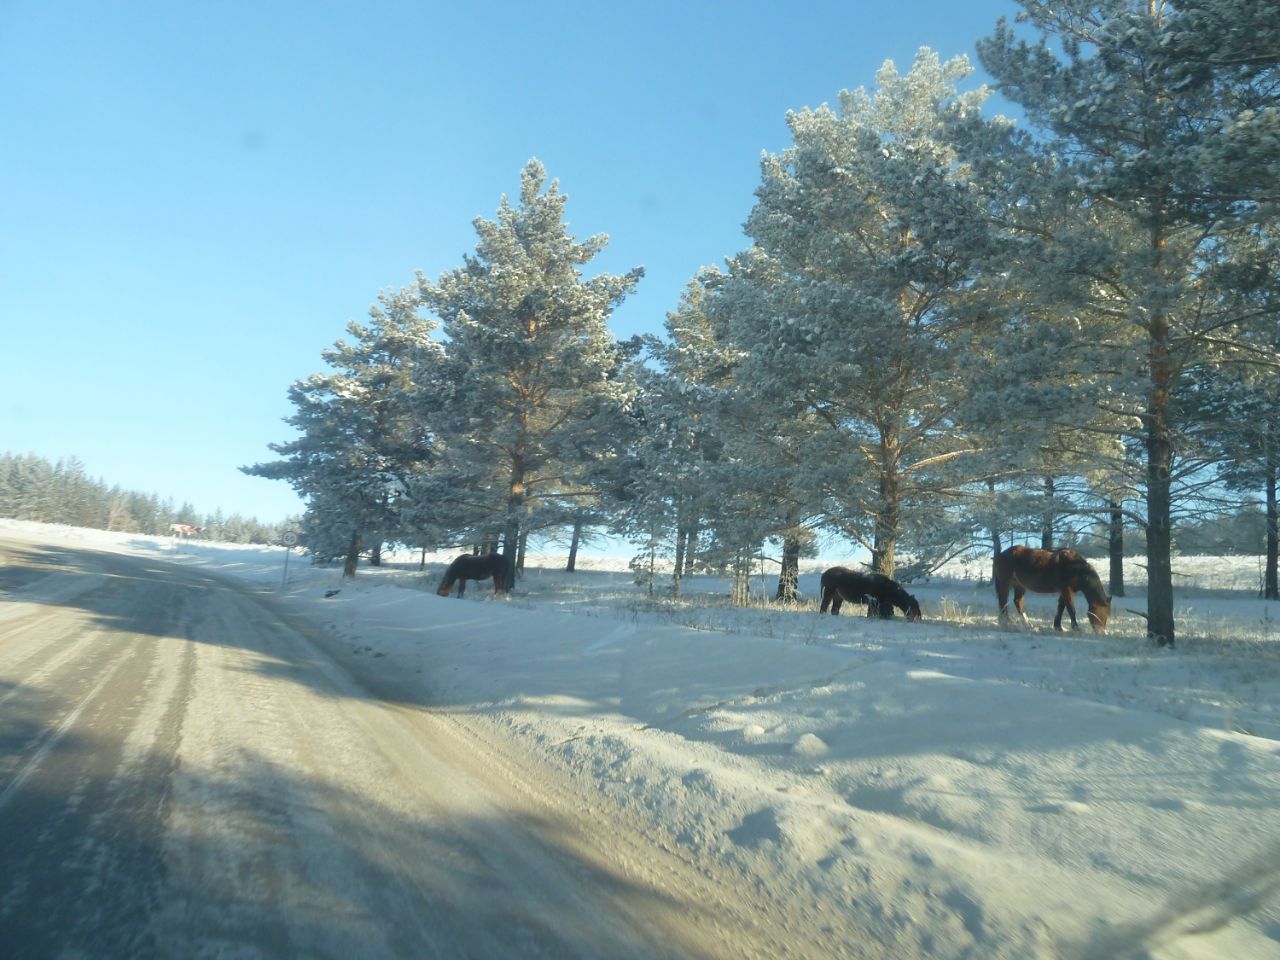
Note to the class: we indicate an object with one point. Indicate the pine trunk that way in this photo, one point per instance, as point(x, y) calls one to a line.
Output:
point(353, 556)
point(572, 565)
point(510, 548)
point(1116, 550)
point(511, 535)
point(789, 575)
point(677, 572)
point(996, 545)
point(1271, 590)
point(887, 517)
point(1046, 519)
point(1159, 443)
point(740, 590)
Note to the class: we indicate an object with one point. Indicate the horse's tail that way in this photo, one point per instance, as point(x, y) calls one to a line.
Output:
point(1000, 577)
point(828, 591)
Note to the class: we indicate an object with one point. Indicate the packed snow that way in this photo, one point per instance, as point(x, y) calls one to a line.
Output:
point(958, 789)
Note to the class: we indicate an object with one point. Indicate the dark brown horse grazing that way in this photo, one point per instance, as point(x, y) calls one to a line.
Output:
point(473, 567)
point(878, 592)
point(1050, 571)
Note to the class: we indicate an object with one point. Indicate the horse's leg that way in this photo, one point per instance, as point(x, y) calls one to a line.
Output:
point(837, 601)
point(462, 586)
point(826, 599)
point(1020, 601)
point(1066, 601)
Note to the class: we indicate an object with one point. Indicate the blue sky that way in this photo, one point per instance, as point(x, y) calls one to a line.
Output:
point(196, 198)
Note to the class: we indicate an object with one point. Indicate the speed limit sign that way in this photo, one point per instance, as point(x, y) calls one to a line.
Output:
point(290, 540)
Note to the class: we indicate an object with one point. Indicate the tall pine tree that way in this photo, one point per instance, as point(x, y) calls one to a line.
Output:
point(875, 235)
point(1164, 116)
point(535, 371)
point(362, 437)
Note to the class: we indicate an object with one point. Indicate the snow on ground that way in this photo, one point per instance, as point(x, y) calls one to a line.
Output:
point(963, 791)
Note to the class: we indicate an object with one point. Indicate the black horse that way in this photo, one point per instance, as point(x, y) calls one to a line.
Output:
point(474, 567)
point(880, 593)
point(1061, 571)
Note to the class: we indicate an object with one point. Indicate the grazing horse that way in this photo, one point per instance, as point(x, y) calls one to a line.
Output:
point(877, 591)
point(184, 530)
point(474, 567)
point(1050, 571)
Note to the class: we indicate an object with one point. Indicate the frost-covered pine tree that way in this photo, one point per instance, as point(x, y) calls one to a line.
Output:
point(362, 438)
point(1165, 117)
point(875, 234)
point(535, 372)
point(767, 458)
point(670, 493)
point(1049, 392)
point(1236, 407)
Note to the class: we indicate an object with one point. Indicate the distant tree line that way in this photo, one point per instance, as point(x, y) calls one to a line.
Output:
point(32, 488)
point(946, 332)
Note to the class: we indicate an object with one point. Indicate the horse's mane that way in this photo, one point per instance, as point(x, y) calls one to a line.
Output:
point(1082, 572)
point(899, 592)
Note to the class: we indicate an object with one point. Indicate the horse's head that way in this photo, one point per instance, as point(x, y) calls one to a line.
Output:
point(1099, 614)
point(912, 610)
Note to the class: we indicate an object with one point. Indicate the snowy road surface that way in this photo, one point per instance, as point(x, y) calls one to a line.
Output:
point(185, 771)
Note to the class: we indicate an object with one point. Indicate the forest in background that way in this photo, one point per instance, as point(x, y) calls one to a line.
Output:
point(32, 488)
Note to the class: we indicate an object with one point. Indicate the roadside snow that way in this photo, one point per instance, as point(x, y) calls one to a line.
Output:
point(962, 791)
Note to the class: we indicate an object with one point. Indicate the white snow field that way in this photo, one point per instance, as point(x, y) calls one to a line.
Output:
point(948, 788)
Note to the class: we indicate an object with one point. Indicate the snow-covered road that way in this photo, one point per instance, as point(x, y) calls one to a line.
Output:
point(185, 771)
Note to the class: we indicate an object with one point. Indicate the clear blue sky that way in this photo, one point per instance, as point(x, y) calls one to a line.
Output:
point(196, 198)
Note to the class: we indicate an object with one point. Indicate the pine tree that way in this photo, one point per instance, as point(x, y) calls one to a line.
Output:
point(670, 479)
point(874, 234)
point(1167, 129)
point(362, 437)
point(534, 371)
point(766, 458)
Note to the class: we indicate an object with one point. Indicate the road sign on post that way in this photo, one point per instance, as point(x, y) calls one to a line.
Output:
point(290, 540)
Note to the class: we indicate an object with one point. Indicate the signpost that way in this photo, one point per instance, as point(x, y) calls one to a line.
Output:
point(290, 540)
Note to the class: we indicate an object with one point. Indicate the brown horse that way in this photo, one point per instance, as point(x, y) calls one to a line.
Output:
point(878, 592)
point(473, 567)
point(1050, 571)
